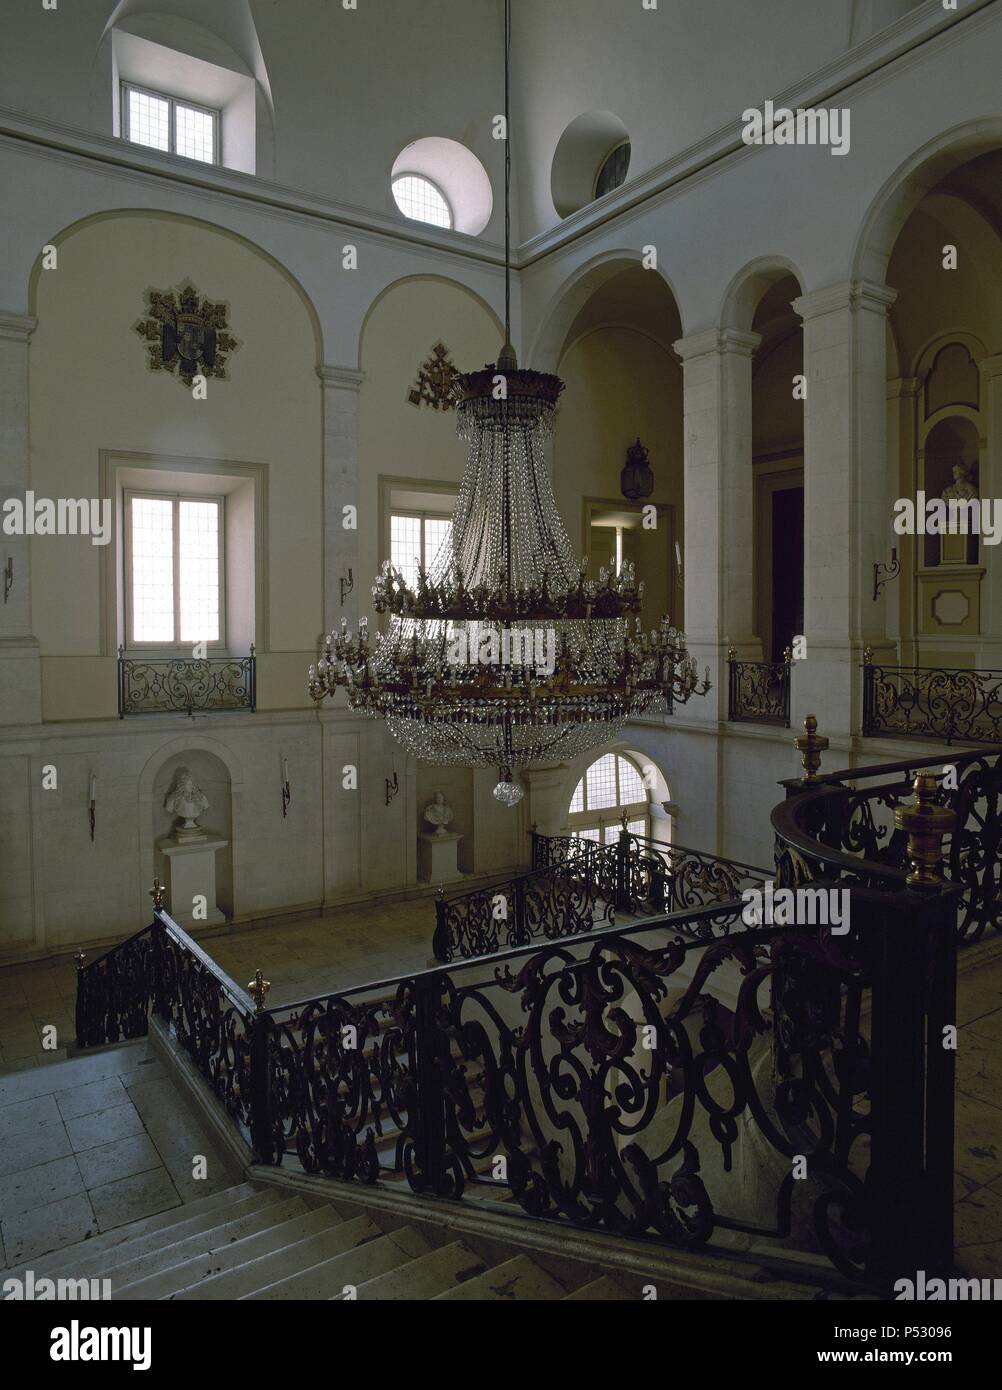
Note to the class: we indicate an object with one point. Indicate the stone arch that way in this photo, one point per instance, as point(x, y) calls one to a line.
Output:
point(573, 295)
point(435, 279)
point(67, 232)
point(747, 288)
point(630, 747)
point(901, 193)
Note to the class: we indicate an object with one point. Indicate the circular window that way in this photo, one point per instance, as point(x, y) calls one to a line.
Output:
point(614, 169)
point(417, 197)
point(595, 141)
point(442, 183)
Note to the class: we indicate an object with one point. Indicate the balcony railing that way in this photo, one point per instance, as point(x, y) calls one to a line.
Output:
point(932, 702)
point(182, 684)
point(653, 1079)
point(758, 692)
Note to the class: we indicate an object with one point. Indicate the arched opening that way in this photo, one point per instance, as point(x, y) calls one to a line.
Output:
point(944, 446)
point(624, 390)
point(617, 785)
point(778, 463)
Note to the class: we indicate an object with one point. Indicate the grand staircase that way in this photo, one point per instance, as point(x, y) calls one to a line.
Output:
point(260, 1242)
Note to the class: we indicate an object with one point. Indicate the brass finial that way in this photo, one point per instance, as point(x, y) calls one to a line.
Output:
point(926, 824)
point(80, 957)
point(258, 989)
point(732, 654)
point(867, 656)
point(507, 361)
point(158, 893)
point(787, 656)
point(810, 745)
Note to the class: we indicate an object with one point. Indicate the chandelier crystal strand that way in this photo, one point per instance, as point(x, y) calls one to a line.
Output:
point(503, 653)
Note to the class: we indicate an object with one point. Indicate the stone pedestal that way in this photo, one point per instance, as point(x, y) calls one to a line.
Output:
point(192, 873)
point(437, 858)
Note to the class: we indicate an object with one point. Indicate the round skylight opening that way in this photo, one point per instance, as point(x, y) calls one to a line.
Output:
point(421, 200)
point(614, 169)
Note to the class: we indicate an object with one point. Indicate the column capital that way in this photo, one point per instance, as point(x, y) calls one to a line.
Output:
point(990, 367)
point(717, 340)
point(850, 294)
point(17, 328)
point(340, 378)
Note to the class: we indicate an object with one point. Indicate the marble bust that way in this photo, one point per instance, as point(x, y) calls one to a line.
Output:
point(186, 800)
point(962, 489)
point(438, 813)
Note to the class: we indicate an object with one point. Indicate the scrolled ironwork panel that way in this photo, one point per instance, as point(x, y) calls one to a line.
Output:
point(183, 684)
point(759, 692)
point(934, 703)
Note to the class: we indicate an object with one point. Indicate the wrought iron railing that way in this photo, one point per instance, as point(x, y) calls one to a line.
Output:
point(932, 702)
point(576, 885)
point(619, 1077)
point(547, 903)
point(841, 826)
point(182, 684)
point(758, 692)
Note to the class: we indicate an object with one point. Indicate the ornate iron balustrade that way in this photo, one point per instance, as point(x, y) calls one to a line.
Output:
point(181, 684)
point(643, 875)
point(841, 826)
point(932, 702)
point(758, 692)
point(618, 1074)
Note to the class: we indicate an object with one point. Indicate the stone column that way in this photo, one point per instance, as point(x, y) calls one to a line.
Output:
point(340, 386)
point(846, 523)
point(20, 665)
point(990, 486)
point(719, 492)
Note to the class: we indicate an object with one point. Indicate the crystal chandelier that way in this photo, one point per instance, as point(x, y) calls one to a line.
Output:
point(502, 653)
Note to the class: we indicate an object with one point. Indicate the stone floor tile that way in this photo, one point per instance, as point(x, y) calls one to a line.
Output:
point(36, 1232)
point(130, 1199)
point(86, 1100)
point(120, 1159)
point(103, 1126)
point(39, 1185)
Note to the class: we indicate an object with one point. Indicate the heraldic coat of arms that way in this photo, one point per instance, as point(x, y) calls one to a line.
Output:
point(186, 334)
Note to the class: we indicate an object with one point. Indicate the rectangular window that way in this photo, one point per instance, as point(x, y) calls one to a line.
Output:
point(173, 570)
point(162, 122)
point(415, 539)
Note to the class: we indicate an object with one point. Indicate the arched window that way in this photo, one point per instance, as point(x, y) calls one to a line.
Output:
point(614, 169)
point(611, 785)
point(419, 198)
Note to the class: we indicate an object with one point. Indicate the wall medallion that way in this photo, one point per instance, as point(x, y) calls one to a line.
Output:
point(435, 380)
point(186, 334)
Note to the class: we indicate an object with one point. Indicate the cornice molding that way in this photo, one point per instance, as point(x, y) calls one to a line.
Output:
point(17, 328)
point(850, 294)
point(340, 378)
point(717, 340)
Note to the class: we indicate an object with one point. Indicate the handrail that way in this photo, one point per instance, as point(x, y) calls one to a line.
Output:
point(662, 921)
point(702, 854)
point(237, 996)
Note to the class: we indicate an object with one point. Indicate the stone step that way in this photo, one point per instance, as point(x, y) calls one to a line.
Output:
point(427, 1276)
point(516, 1281)
point(603, 1290)
point(68, 1259)
point(365, 1262)
point(213, 1267)
point(153, 1259)
point(290, 1259)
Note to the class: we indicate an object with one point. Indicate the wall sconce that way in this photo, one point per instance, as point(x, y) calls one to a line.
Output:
point(889, 572)
point(286, 788)
point(8, 577)
point(636, 479)
point(346, 585)
point(92, 803)
point(392, 787)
